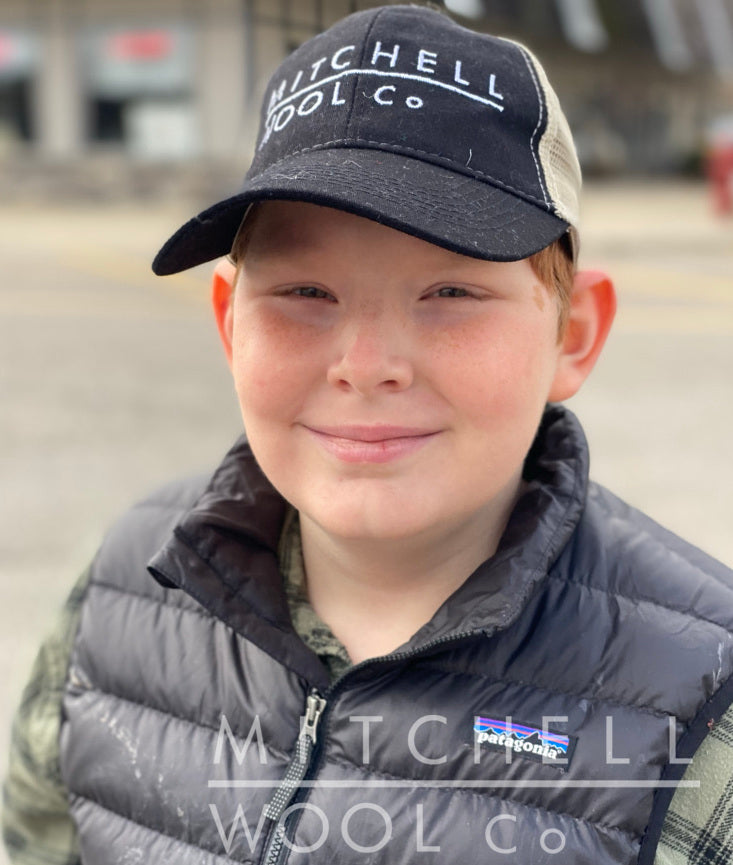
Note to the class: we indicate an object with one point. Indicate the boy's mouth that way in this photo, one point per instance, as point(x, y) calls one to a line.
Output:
point(371, 444)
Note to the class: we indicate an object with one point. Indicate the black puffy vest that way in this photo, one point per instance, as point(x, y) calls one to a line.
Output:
point(529, 721)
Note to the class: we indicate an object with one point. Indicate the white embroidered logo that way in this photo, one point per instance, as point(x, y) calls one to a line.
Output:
point(294, 98)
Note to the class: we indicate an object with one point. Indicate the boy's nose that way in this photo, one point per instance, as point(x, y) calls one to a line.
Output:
point(372, 356)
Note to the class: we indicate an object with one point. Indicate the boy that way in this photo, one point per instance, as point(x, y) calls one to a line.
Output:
point(409, 628)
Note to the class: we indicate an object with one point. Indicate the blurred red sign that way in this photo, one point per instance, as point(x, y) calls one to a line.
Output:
point(140, 45)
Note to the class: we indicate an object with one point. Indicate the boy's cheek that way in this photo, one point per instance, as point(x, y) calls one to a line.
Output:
point(262, 395)
point(267, 383)
point(254, 366)
point(516, 372)
point(268, 335)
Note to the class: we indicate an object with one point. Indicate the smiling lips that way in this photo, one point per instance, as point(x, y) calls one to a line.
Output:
point(371, 444)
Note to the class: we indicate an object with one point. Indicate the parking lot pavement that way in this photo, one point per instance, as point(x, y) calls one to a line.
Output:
point(659, 406)
point(112, 382)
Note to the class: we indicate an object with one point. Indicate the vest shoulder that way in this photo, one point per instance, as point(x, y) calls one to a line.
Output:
point(626, 552)
point(140, 532)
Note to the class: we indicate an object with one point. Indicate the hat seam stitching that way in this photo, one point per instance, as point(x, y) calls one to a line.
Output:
point(533, 75)
point(399, 148)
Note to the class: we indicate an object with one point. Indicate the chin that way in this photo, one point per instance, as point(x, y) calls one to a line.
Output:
point(382, 522)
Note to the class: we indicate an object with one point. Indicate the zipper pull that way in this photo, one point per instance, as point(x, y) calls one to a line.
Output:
point(298, 766)
point(315, 705)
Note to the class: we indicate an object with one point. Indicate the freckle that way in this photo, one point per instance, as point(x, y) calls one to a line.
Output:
point(539, 298)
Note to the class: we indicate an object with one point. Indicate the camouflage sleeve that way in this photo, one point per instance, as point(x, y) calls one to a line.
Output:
point(698, 828)
point(37, 825)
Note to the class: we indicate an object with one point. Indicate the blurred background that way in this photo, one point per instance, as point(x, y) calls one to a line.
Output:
point(121, 118)
point(107, 98)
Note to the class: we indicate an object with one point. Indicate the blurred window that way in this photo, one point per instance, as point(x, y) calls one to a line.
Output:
point(582, 24)
point(718, 29)
point(669, 36)
point(18, 65)
point(140, 84)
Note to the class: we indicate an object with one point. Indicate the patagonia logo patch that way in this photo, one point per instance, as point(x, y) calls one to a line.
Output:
point(530, 743)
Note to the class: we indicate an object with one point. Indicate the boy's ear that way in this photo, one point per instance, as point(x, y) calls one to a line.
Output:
point(222, 299)
point(592, 308)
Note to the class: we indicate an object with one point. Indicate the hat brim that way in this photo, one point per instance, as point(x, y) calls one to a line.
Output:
point(441, 205)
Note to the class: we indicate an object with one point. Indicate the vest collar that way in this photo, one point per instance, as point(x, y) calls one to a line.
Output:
point(223, 552)
point(555, 487)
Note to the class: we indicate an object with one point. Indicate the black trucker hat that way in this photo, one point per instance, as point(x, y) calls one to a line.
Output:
point(403, 116)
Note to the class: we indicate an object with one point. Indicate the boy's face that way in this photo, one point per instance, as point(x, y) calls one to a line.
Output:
point(389, 388)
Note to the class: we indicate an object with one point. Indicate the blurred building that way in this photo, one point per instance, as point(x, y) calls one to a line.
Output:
point(92, 90)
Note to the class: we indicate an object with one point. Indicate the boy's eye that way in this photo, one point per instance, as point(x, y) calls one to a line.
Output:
point(312, 291)
point(451, 291)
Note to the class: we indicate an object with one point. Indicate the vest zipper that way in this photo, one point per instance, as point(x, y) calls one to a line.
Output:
point(298, 767)
point(296, 771)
